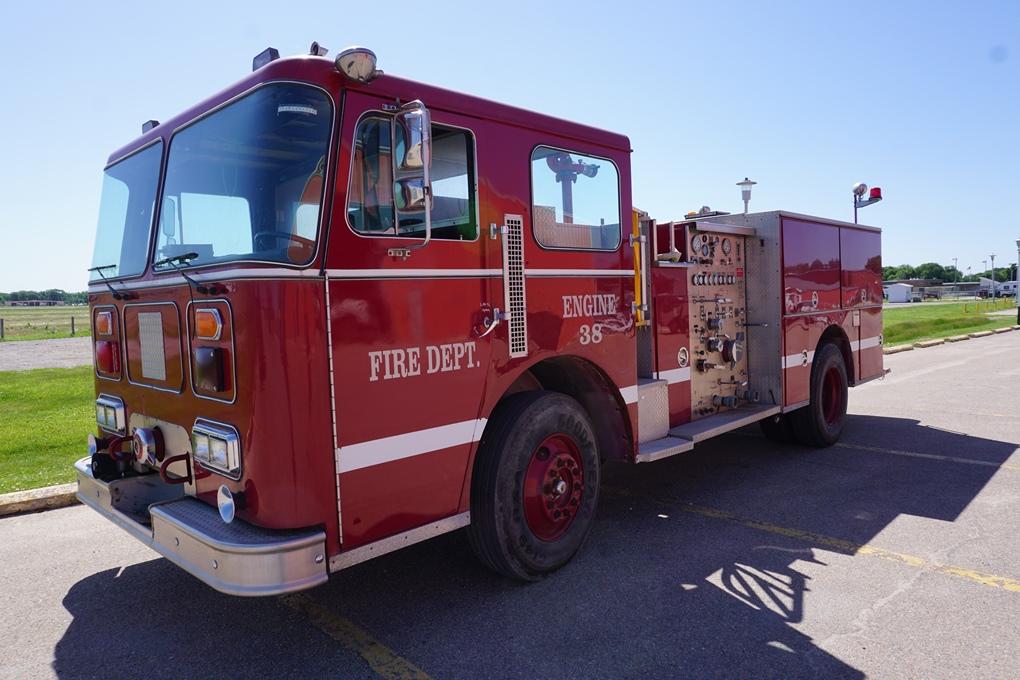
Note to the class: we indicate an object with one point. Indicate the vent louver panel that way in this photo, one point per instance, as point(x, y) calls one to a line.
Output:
point(513, 285)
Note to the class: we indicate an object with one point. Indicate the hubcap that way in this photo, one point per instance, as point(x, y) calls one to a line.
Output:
point(553, 487)
point(832, 396)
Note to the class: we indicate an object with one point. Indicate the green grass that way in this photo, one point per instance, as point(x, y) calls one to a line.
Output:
point(43, 323)
point(933, 321)
point(47, 415)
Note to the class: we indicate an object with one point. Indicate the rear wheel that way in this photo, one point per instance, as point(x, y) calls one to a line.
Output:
point(535, 485)
point(820, 423)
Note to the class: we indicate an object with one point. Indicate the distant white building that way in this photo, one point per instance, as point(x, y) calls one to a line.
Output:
point(899, 292)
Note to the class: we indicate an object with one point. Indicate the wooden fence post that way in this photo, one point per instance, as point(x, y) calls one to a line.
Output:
point(72, 325)
point(1, 329)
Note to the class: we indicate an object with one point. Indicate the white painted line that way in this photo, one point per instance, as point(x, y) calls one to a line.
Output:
point(388, 449)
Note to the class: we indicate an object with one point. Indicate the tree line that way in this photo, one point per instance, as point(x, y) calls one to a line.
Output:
point(936, 272)
point(51, 295)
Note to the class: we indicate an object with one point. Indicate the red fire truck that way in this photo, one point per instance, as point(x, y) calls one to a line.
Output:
point(336, 312)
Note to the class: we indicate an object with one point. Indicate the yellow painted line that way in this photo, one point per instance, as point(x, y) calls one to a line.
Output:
point(384, 661)
point(910, 454)
point(982, 578)
point(929, 456)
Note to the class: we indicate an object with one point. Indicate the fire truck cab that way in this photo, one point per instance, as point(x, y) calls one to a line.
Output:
point(336, 312)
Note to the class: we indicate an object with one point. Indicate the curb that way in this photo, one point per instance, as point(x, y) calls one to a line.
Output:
point(32, 500)
point(896, 349)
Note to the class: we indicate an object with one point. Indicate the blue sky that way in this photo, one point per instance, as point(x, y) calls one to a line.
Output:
point(921, 98)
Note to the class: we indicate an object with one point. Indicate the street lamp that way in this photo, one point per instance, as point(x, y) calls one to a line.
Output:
point(745, 191)
point(955, 271)
point(1017, 291)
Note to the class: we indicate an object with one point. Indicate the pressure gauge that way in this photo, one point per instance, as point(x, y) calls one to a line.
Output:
point(726, 246)
point(696, 242)
point(705, 250)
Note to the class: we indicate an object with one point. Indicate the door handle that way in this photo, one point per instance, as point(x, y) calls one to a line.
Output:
point(489, 323)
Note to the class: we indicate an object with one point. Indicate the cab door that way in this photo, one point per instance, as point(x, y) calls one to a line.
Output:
point(407, 325)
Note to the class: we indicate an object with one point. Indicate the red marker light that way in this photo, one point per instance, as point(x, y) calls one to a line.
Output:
point(107, 357)
point(875, 194)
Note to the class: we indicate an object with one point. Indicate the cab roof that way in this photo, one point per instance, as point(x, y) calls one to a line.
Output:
point(322, 72)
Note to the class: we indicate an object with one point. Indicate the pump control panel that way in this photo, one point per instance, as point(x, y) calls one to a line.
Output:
point(718, 319)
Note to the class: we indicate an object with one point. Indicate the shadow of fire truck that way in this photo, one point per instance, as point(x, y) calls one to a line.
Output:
point(658, 591)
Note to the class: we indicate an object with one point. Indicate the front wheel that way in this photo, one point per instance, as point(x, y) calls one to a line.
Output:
point(535, 485)
point(820, 423)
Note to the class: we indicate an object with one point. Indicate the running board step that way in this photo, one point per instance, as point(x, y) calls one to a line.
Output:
point(711, 426)
point(662, 448)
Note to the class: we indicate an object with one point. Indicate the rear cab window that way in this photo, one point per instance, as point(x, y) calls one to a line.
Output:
point(575, 200)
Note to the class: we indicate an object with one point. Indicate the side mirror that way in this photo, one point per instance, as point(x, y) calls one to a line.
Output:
point(409, 195)
point(412, 138)
point(412, 158)
point(168, 221)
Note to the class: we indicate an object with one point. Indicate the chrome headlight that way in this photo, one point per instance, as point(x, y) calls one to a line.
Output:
point(217, 446)
point(110, 413)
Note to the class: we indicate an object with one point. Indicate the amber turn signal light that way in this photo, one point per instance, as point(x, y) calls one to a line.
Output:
point(208, 324)
point(104, 323)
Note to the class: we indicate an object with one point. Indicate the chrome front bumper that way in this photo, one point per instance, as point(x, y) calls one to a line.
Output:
point(236, 558)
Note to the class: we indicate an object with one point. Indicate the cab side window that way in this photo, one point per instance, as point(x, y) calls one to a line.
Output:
point(370, 199)
point(575, 200)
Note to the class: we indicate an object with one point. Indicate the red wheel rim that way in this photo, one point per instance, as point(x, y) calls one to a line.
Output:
point(832, 395)
point(553, 487)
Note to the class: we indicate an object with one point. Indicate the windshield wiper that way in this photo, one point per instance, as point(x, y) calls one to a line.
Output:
point(175, 263)
point(117, 295)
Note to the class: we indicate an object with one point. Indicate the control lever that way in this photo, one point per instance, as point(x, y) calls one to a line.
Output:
point(762, 325)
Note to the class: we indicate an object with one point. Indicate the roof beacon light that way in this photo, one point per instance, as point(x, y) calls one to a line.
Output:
point(358, 63)
point(317, 50)
point(859, 189)
point(264, 57)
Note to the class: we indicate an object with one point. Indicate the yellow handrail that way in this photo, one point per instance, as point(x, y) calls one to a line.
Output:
point(639, 312)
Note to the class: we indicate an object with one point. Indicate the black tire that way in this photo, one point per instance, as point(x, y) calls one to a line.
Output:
point(778, 429)
point(820, 423)
point(509, 456)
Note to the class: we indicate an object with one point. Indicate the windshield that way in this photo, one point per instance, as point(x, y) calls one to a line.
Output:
point(246, 182)
point(125, 214)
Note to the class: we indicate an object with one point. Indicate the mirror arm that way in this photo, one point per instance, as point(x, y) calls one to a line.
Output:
point(428, 216)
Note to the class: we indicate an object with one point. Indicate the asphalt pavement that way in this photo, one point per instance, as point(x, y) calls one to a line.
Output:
point(891, 555)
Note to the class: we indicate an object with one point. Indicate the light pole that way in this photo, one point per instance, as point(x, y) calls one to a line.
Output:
point(1017, 291)
point(955, 271)
point(993, 276)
